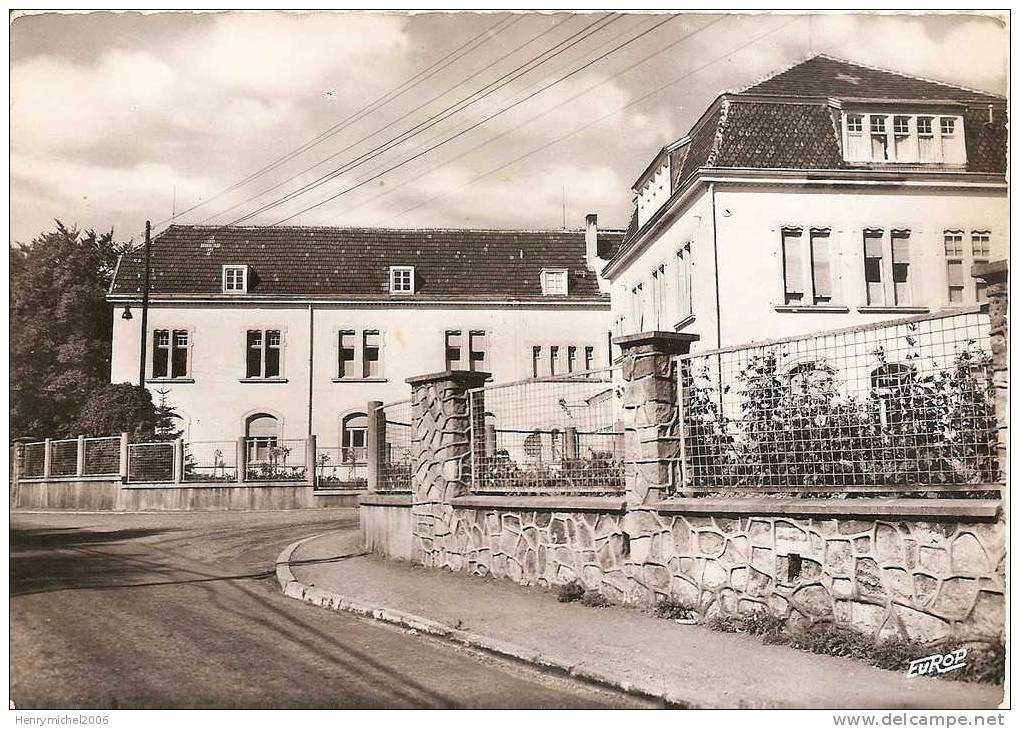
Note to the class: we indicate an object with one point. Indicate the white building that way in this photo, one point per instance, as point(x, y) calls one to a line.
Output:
point(828, 195)
point(276, 333)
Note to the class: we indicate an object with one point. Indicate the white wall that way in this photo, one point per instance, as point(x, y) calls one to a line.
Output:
point(216, 403)
point(748, 222)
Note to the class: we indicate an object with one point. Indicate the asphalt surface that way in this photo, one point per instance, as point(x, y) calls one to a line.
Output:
point(183, 610)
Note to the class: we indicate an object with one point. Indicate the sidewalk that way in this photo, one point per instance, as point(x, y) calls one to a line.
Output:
point(686, 664)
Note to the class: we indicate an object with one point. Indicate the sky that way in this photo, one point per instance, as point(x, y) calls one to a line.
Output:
point(121, 117)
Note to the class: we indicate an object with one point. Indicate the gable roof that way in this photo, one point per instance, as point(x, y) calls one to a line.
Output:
point(353, 263)
point(823, 75)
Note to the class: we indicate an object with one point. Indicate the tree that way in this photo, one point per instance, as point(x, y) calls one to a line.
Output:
point(120, 408)
point(60, 327)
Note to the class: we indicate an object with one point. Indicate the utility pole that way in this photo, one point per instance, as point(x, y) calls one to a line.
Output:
point(145, 306)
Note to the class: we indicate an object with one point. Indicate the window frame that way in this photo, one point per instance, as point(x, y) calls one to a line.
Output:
point(264, 348)
point(397, 272)
point(170, 347)
point(887, 268)
point(907, 137)
point(234, 268)
point(547, 277)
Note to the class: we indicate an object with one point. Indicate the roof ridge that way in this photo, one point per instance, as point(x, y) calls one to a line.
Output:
point(784, 69)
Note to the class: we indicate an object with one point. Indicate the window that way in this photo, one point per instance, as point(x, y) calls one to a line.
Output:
point(371, 355)
point(401, 279)
point(170, 353)
point(887, 267)
point(554, 360)
point(879, 139)
point(262, 434)
point(953, 240)
point(981, 247)
point(359, 355)
point(821, 274)
point(684, 279)
point(637, 307)
point(346, 354)
point(589, 358)
point(811, 380)
point(554, 282)
point(453, 347)
point(477, 350)
point(658, 294)
point(907, 138)
point(793, 274)
point(536, 362)
point(890, 386)
point(571, 359)
point(354, 438)
point(235, 279)
point(264, 353)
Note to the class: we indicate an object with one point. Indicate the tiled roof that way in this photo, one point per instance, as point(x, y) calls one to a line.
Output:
point(342, 263)
point(800, 131)
point(824, 75)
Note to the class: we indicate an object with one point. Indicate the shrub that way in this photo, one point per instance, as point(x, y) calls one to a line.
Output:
point(670, 608)
point(985, 663)
point(570, 591)
point(595, 599)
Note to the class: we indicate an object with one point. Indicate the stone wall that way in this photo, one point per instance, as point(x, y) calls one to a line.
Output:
point(912, 579)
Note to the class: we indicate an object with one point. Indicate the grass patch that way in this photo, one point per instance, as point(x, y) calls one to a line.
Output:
point(595, 599)
point(985, 662)
point(570, 591)
point(670, 608)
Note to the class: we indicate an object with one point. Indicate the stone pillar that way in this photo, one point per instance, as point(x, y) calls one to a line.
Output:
point(570, 444)
point(996, 278)
point(490, 440)
point(124, 457)
point(80, 466)
point(310, 455)
point(178, 469)
point(441, 449)
point(17, 463)
point(376, 443)
point(242, 459)
point(652, 448)
point(47, 456)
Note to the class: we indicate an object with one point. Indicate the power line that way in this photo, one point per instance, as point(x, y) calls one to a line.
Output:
point(439, 117)
point(483, 121)
point(418, 78)
point(592, 123)
point(393, 122)
point(548, 111)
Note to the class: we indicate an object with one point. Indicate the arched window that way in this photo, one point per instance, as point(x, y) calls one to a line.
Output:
point(354, 438)
point(810, 379)
point(890, 384)
point(262, 432)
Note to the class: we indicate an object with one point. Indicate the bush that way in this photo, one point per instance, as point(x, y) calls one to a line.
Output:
point(570, 591)
point(595, 599)
point(985, 663)
point(670, 608)
point(120, 408)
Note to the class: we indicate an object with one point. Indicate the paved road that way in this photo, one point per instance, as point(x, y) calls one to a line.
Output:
point(182, 610)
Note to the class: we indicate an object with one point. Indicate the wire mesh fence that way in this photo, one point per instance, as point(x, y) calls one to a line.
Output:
point(151, 462)
point(33, 460)
point(338, 467)
point(556, 435)
point(102, 456)
point(397, 456)
point(903, 406)
point(274, 459)
point(64, 457)
point(210, 461)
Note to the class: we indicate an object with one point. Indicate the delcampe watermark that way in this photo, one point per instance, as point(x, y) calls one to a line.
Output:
point(938, 663)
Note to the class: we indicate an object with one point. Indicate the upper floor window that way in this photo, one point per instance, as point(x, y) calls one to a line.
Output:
point(401, 279)
point(807, 273)
point(554, 281)
point(170, 353)
point(559, 359)
point(887, 267)
point(235, 279)
point(265, 347)
point(962, 288)
point(684, 282)
point(905, 138)
point(477, 350)
point(359, 355)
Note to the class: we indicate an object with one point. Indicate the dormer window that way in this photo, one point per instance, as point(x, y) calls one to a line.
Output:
point(235, 279)
point(554, 282)
point(903, 138)
point(401, 279)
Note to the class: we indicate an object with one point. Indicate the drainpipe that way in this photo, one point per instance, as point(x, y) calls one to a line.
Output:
point(311, 350)
point(715, 270)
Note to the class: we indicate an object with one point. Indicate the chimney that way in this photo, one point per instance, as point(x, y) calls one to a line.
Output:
point(591, 237)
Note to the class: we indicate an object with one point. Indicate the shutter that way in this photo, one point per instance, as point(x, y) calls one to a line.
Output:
point(873, 244)
point(793, 272)
point(820, 266)
point(901, 247)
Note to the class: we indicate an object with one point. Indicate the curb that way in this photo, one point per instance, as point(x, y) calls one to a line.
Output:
point(331, 600)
